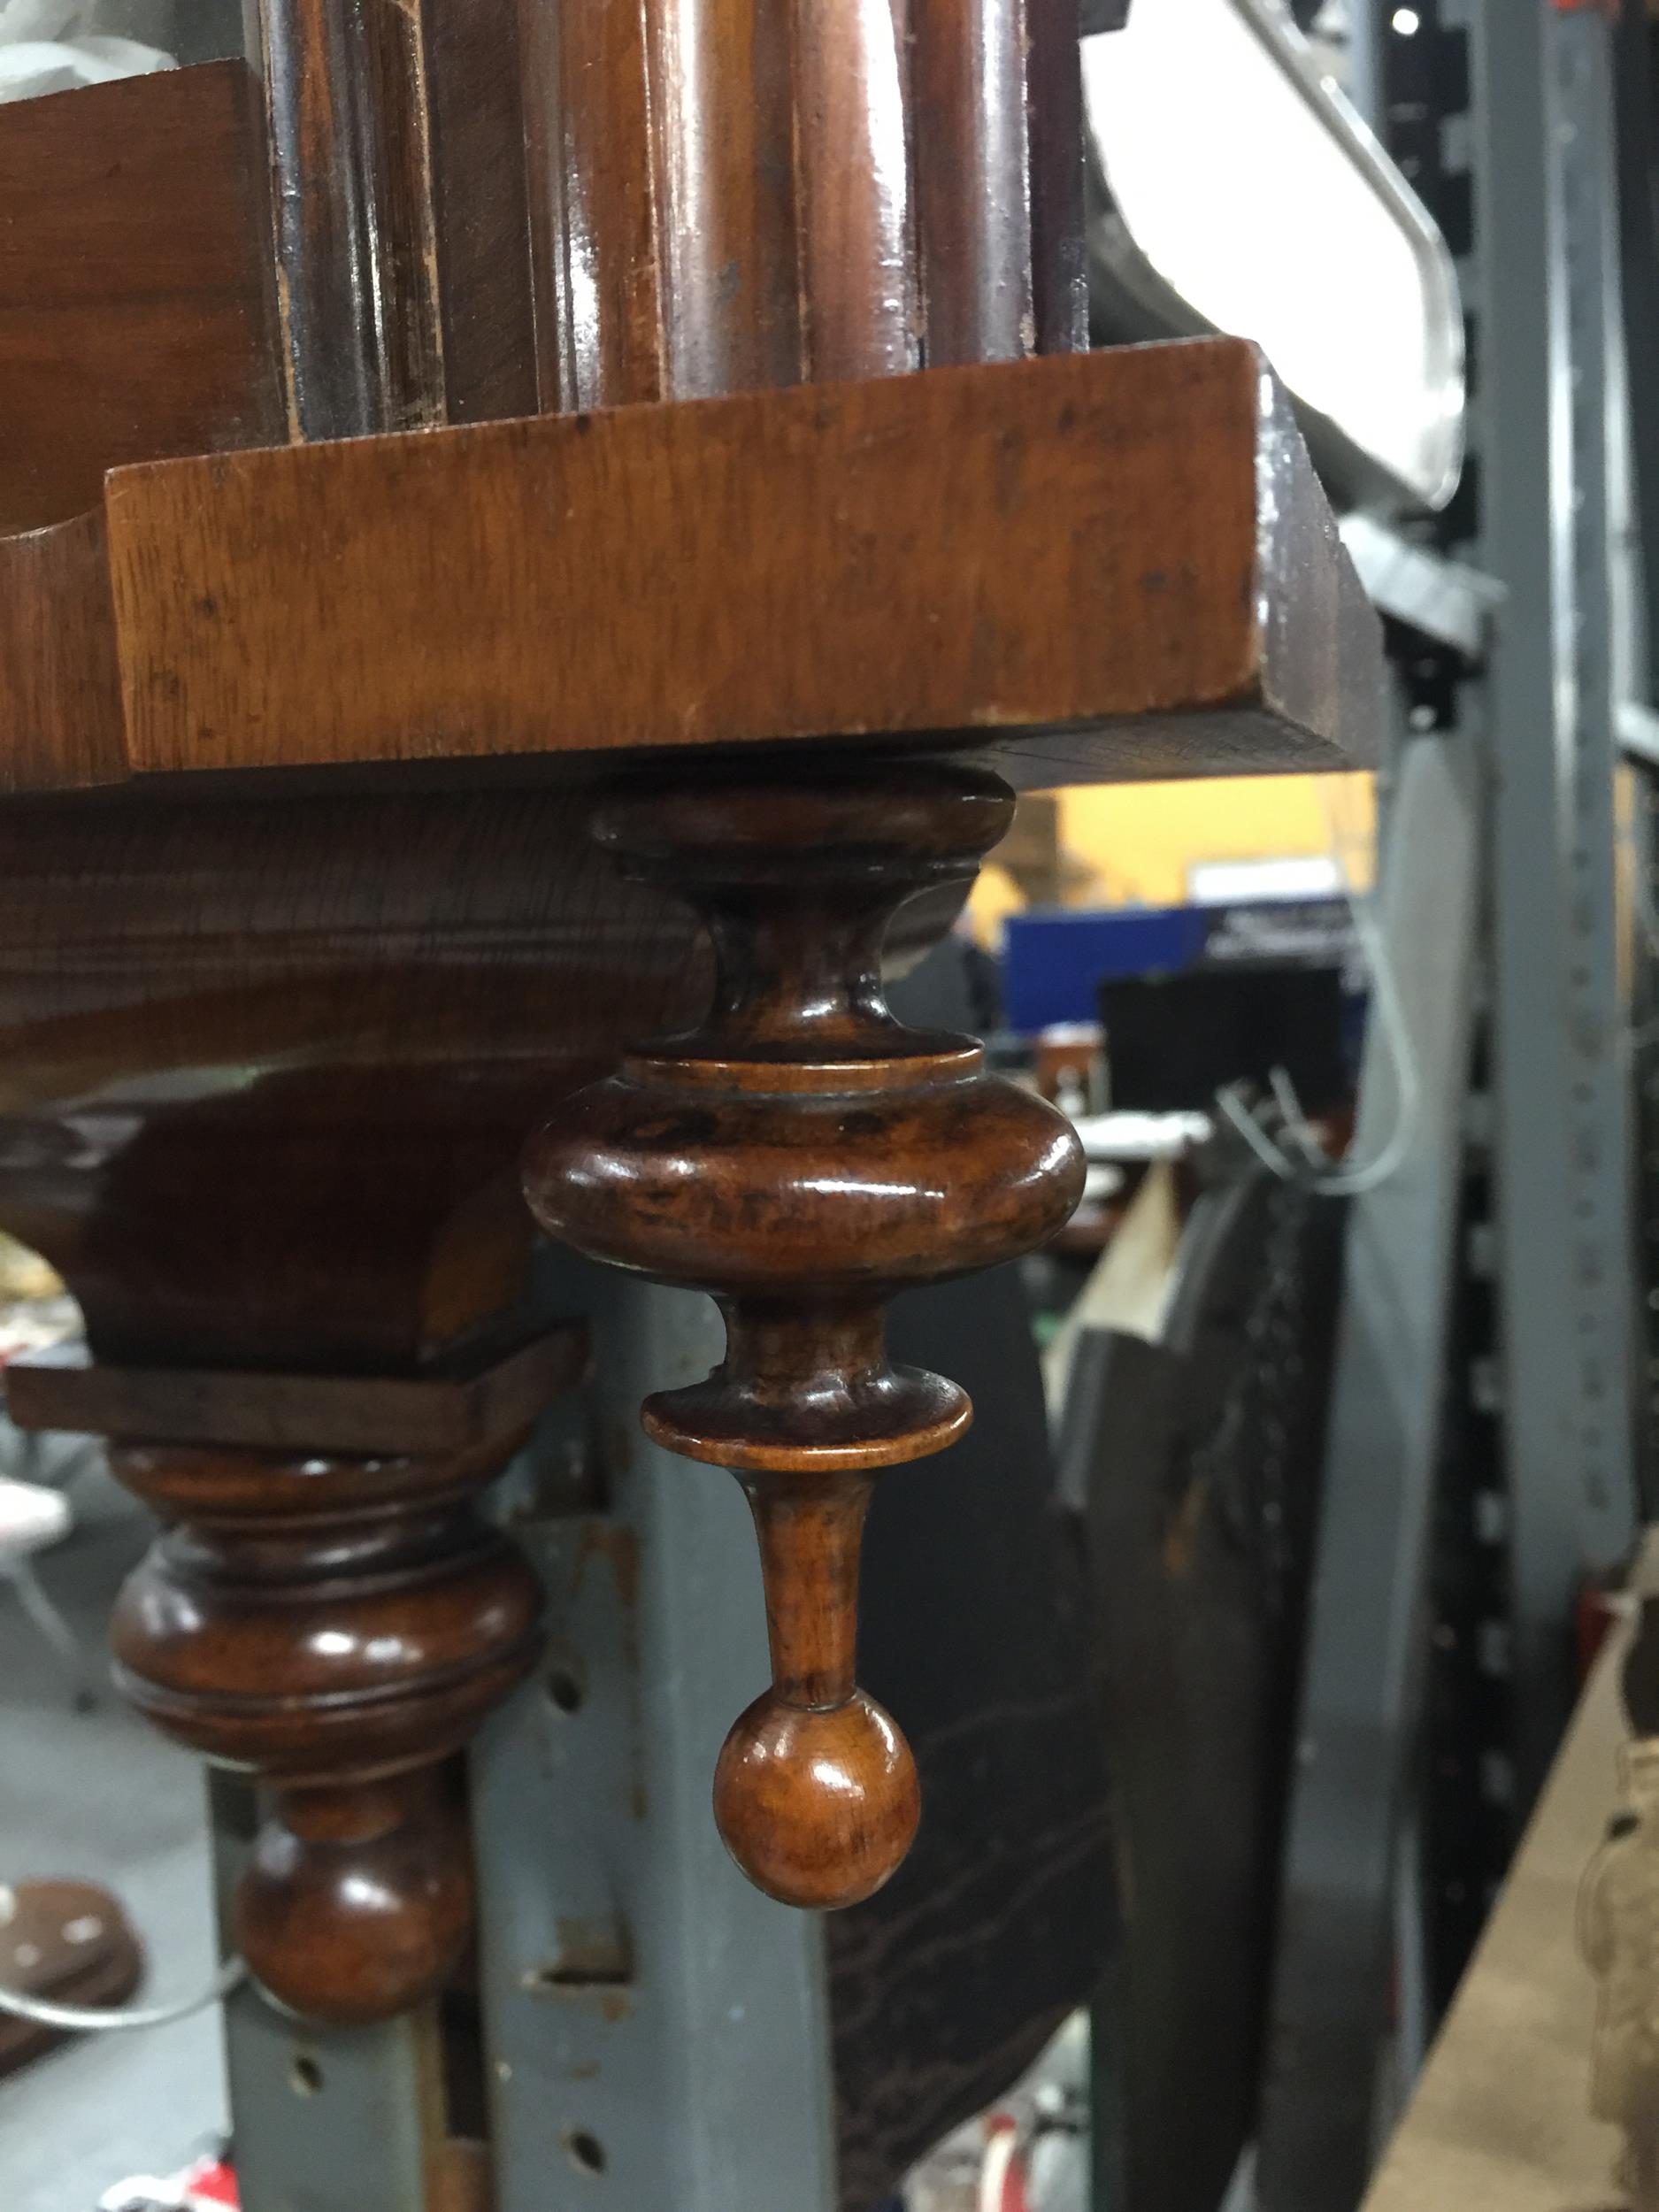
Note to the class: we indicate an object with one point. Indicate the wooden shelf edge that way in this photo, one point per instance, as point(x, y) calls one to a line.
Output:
point(1098, 567)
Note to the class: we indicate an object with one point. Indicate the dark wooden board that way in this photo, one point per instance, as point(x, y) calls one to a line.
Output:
point(1110, 566)
point(453, 1411)
point(60, 693)
point(135, 292)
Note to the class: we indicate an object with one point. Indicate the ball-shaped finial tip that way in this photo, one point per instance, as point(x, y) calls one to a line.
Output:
point(817, 1807)
point(352, 1933)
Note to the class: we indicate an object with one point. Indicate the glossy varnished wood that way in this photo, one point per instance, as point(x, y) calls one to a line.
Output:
point(859, 292)
point(337, 1627)
point(60, 691)
point(1116, 565)
point(803, 1156)
point(266, 1062)
point(599, 308)
point(267, 1066)
point(722, 118)
point(661, 166)
point(454, 1405)
point(480, 219)
point(1054, 108)
point(969, 59)
point(349, 139)
point(136, 299)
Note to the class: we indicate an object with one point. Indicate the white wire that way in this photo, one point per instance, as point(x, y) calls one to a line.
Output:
point(99, 2019)
point(1342, 1180)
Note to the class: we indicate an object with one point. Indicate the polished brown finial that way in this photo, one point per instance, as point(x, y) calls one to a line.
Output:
point(803, 1156)
point(337, 1626)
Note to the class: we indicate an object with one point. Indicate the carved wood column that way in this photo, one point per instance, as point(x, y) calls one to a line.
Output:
point(723, 198)
point(336, 1626)
point(332, 1620)
point(269, 1063)
point(803, 1155)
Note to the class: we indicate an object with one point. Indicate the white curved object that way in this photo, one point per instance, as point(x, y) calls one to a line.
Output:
point(1234, 188)
point(60, 45)
point(31, 1519)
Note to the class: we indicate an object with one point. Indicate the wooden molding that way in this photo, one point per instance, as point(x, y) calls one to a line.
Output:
point(136, 307)
point(1113, 564)
point(450, 1410)
point(1090, 567)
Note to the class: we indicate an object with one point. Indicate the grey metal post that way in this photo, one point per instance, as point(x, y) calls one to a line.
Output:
point(325, 2119)
point(655, 2029)
point(1547, 274)
point(1364, 59)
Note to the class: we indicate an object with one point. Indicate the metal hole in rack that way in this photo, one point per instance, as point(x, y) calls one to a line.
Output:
point(587, 2152)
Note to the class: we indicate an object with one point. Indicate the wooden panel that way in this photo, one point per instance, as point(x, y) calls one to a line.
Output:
point(478, 179)
point(593, 211)
point(1027, 549)
point(972, 184)
point(1059, 265)
point(134, 299)
point(722, 123)
point(346, 119)
point(854, 193)
point(60, 694)
point(439, 1411)
point(267, 1062)
point(1500, 2118)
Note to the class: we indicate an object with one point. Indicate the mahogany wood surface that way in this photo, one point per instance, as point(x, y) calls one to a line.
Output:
point(480, 215)
point(803, 1156)
point(969, 64)
point(266, 1061)
point(60, 688)
point(450, 1406)
point(1115, 565)
point(336, 1626)
point(135, 290)
point(269, 1043)
point(348, 131)
point(1055, 100)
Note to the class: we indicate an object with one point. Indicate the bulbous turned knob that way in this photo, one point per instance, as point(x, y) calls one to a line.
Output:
point(355, 1904)
point(803, 1156)
point(336, 1626)
point(818, 1807)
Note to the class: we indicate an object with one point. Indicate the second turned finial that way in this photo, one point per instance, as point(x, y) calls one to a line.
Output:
point(803, 1155)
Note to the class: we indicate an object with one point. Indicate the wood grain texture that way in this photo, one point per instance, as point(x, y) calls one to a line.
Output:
point(594, 222)
point(135, 303)
point(456, 1405)
point(336, 1626)
point(722, 120)
point(481, 216)
point(789, 1156)
point(348, 130)
point(857, 194)
point(974, 179)
point(1055, 106)
point(1500, 2119)
point(1118, 564)
point(60, 692)
point(266, 1062)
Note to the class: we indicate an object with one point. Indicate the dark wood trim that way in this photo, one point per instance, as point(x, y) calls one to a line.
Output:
point(459, 1411)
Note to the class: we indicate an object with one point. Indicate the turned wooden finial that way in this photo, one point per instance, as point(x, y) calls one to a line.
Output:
point(337, 1626)
point(803, 1155)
